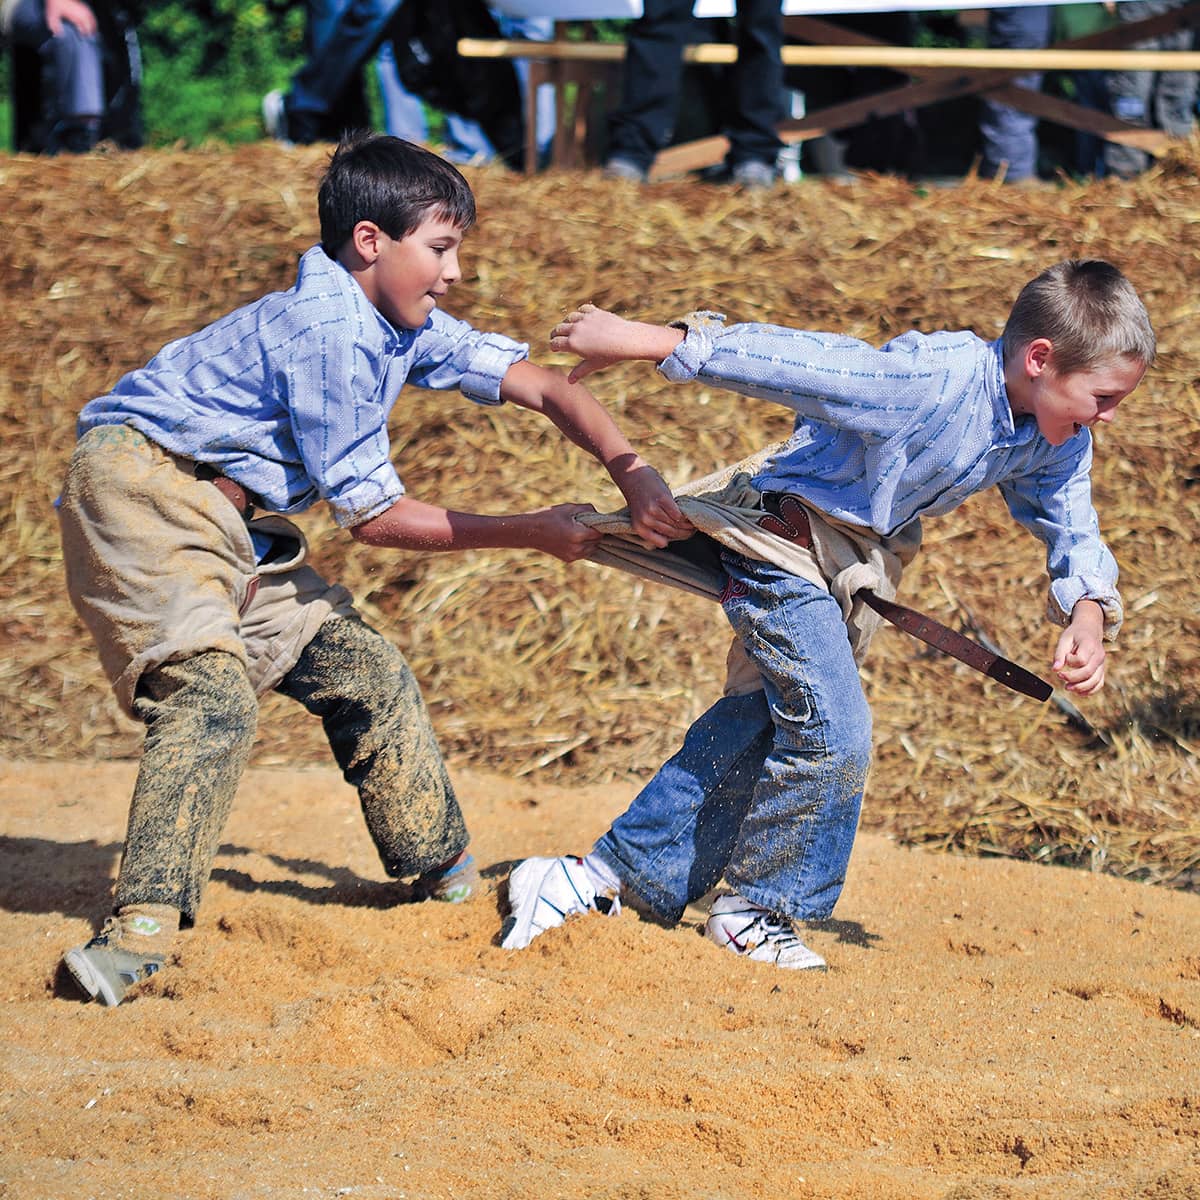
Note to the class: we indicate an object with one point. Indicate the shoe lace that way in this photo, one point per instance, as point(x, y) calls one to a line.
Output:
point(109, 935)
point(777, 930)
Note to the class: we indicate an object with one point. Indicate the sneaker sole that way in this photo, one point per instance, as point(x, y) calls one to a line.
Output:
point(89, 980)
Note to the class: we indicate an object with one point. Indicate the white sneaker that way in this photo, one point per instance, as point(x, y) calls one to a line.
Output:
point(758, 933)
point(544, 892)
point(274, 115)
point(625, 170)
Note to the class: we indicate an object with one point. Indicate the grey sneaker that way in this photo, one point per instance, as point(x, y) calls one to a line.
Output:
point(752, 174)
point(758, 933)
point(275, 119)
point(107, 970)
point(624, 168)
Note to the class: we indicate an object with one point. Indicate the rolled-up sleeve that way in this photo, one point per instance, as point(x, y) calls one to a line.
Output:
point(689, 357)
point(452, 354)
point(1055, 503)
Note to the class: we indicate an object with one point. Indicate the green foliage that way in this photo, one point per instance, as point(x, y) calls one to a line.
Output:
point(6, 117)
point(208, 64)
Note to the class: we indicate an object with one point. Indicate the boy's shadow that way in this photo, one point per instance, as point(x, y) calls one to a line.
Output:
point(345, 887)
point(848, 933)
point(74, 879)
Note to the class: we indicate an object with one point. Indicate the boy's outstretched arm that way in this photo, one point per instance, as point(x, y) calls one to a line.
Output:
point(1080, 654)
point(581, 418)
point(600, 338)
point(414, 525)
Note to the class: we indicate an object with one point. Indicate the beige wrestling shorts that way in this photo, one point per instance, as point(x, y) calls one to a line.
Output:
point(160, 566)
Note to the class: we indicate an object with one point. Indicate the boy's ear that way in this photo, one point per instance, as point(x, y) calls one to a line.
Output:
point(1038, 357)
point(365, 237)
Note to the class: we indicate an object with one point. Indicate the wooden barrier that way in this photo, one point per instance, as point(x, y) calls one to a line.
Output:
point(586, 78)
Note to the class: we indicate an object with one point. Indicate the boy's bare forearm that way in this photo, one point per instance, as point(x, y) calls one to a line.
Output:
point(600, 338)
point(572, 409)
point(414, 525)
point(583, 420)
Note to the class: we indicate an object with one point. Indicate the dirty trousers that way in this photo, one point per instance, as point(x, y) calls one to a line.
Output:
point(162, 570)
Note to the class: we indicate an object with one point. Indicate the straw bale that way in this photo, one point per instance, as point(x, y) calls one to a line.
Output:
point(572, 673)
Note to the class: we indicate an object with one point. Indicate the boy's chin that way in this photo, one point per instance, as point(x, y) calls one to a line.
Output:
point(414, 318)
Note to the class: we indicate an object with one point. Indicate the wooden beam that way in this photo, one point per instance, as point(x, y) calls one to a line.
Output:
point(941, 74)
point(898, 58)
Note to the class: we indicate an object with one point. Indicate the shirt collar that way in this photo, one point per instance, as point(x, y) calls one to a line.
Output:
point(1009, 431)
point(327, 271)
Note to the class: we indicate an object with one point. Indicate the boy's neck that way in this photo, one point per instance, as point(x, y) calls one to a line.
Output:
point(1017, 387)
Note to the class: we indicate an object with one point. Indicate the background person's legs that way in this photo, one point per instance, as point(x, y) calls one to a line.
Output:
point(72, 79)
point(757, 106)
point(1164, 100)
point(1008, 135)
point(349, 35)
point(644, 120)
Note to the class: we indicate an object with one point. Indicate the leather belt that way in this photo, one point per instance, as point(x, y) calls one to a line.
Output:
point(241, 499)
point(786, 517)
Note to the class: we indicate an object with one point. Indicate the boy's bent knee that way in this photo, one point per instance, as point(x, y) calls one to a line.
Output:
point(209, 693)
point(348, 663)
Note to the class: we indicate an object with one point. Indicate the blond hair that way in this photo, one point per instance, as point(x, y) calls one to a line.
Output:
point(1087, 310)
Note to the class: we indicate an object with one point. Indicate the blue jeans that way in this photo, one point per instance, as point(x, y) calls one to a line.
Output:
point(767, 787)
point(1150, 99)
point(342, 37)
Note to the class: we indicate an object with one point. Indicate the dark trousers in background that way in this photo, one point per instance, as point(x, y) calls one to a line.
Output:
point(644, 121)
point(69, 91)
point(1008, 135)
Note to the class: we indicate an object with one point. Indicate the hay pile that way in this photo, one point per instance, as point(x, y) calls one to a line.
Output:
point(573, 674)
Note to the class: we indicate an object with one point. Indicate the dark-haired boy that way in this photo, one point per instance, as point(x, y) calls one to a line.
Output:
point(197, 609)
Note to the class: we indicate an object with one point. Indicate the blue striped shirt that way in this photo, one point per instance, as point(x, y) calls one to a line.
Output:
point(911, 429)
point(290, 395)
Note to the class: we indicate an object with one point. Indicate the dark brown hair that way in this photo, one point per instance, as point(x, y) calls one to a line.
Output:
point(375, 177)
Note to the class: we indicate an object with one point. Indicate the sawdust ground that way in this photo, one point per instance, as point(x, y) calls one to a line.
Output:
point(987, 1028)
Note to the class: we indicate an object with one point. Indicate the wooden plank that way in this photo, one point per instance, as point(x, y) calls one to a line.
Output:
point(979, 71)
point(819, 32)
point(704, 152)
point(910, 59)
point(1088, 120)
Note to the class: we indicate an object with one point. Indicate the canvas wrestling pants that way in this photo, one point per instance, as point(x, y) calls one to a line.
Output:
point(192, 629)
